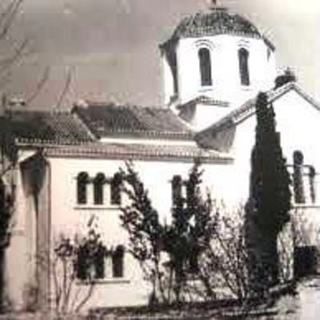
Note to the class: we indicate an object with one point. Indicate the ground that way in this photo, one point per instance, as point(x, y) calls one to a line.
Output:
point(304, 305)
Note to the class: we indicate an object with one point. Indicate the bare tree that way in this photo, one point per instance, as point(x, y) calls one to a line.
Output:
point(71, 269)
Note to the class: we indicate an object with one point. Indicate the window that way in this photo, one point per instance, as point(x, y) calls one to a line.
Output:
point(298, 187)
point(243, 55)
point(117, 262)
point(116, 189)
point(304, 180)
point(176, 186)
point(312, 174)
point(205, 67)
point(98, 186)
point(82, 181)
point(90, 262)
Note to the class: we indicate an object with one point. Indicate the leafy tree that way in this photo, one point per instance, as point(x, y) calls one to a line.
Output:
point(183, 240)
point(270, 198)
point(189, 234)
point(141, 221)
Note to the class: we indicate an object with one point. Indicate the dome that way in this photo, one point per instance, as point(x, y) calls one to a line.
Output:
point(217, 21)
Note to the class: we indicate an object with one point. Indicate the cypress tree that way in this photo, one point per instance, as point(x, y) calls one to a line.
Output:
point(268, 208)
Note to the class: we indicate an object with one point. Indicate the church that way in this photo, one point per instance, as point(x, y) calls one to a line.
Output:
point(60, 168)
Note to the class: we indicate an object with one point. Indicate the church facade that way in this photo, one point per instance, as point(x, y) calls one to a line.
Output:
point(61, 167)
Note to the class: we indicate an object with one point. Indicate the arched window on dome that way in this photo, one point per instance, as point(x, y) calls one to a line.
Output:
point(98, 188)
point(205, 67)
point(243, 55)
point(82, 182)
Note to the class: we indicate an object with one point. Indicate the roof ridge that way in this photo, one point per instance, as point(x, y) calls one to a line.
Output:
point(27, 110)
point(124, 105)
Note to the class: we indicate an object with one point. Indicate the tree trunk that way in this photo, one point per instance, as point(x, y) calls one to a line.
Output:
point(263, 258)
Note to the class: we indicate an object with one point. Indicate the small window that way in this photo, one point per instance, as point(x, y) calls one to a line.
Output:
point(90, 262)
point(117, 262)
point(312, 174)
point(298, 185)
point(98, 188)
point(116, 189)
point(82, 182)
point(176, 186)
point(243, 55)
point(205, 67)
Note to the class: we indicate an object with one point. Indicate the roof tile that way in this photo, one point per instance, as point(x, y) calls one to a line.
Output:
point(56, 127)
point(108, 120)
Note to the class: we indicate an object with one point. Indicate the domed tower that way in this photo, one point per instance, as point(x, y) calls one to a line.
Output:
point(214, 62)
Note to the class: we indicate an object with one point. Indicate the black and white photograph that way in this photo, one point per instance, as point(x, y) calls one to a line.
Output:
point(159, 159)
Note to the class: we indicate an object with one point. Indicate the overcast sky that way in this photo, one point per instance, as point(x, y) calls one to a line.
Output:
point(111, 46)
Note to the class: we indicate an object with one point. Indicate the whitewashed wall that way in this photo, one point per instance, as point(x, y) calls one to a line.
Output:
point(225, 69)
point(70, 218)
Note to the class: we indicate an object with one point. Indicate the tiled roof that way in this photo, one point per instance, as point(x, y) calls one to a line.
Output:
point(139, 152)
point(53, 127)
point(218, 21)
point(107, 120)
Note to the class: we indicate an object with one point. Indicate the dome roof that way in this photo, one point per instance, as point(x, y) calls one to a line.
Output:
point(217, 21)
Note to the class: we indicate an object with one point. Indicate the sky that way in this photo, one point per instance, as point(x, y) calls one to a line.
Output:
point(109, 48)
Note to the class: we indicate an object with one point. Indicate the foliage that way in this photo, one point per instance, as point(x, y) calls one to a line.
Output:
point(182, 240)
point(189, 233)
point(141, 221)
point(224, 262)
point(270, 198)
point(73, 281)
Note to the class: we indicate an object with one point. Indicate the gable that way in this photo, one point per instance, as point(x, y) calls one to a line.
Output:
point(289, 100)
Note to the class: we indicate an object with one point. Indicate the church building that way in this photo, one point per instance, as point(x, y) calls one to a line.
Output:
point(60, 168)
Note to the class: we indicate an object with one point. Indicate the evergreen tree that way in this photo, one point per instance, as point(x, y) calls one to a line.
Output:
point(270, 198)
point(190, 232)
point(183, 240)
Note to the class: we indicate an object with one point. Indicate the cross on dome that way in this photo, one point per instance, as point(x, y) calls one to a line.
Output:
point(214, 5)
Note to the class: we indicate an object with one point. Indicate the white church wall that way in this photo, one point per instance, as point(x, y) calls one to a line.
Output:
point(298, 122)
point(225, 68)
point(292, 114)
point(168, 84)
point(70, 218)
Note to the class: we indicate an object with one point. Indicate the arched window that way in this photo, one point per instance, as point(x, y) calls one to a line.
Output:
point(312, 174)
point(205, 67)
point(90, 262)
point(176, 186)
point(117, 262)
point(98, 185)
point(244, 66)
point(82, 181)
point(298, 186)
point(116, 189)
